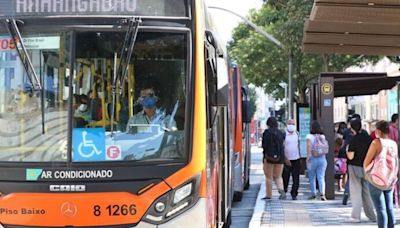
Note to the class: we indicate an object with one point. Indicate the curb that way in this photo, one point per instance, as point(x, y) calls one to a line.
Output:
point(255, 221)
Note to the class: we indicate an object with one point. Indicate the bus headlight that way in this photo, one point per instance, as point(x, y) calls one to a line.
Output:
point(174, 202)
point(183, 192)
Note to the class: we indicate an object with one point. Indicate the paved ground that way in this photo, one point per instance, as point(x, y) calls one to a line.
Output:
point(243, 211)
point(296, 213)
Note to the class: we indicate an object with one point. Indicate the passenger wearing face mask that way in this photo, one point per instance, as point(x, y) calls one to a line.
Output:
point(81, 114)
point(150, 113)
point(292, 158)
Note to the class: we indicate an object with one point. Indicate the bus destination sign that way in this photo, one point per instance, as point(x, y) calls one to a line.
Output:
point(11, 8)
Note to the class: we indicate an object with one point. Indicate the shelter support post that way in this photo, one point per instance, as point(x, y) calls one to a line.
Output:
point(326, 88)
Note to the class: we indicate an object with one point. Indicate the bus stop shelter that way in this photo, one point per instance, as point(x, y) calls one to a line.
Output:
point(356, 27)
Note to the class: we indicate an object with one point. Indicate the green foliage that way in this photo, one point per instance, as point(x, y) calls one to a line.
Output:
point(266, 65)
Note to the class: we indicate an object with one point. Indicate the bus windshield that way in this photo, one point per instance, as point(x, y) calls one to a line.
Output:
point(76, 70)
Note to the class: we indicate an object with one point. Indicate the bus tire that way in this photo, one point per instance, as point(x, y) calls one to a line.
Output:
point(237, 196)
point(228, 220)
point(247, 185)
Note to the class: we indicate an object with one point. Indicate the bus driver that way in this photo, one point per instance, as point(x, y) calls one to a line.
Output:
point(150, 113)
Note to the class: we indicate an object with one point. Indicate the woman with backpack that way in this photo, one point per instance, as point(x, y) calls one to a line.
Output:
point(273, 158)
point(356, 152)
point(317, 148)
point(381, 168)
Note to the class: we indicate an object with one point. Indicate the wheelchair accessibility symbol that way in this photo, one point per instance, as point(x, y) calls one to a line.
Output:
point(88, 144)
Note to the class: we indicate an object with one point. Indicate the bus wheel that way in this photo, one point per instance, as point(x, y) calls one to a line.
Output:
point(237, 196)
point(247, 185)
point(228, 220)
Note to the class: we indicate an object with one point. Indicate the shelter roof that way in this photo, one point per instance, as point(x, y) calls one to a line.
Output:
point(354, 84)
point(369, 27)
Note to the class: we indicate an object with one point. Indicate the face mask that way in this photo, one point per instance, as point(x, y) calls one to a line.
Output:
point(291, 128)
point(149, 102)
point(82, 108)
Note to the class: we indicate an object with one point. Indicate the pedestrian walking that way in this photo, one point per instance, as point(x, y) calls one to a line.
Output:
point(340, 158)
point(360, 197)
point(317, 148)
point(292, 158)
point(274, 157)
point(382, 161)
point(347, 135)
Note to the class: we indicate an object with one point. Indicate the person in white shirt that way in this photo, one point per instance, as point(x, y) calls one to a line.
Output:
point(292, 158)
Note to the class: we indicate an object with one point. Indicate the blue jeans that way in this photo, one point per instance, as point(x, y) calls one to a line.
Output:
point(317, 168)
point(383, 203)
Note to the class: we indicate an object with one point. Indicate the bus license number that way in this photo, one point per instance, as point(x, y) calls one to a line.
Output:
point(115, 210)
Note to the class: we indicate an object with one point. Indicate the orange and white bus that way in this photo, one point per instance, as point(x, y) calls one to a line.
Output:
point(77, 146)
point(240, 122)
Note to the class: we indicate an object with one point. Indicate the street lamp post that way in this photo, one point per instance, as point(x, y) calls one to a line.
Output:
point(284, 85)
point(279, 44)
point(251, 24)
point(290, 91)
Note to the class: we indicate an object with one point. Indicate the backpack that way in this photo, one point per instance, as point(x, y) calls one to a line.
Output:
point(382, 171)
point(273, 149)
point(340, 166)
point(319, 146)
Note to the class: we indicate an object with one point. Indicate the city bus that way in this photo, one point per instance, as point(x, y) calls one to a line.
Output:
point(78, 144)
point(240, 121)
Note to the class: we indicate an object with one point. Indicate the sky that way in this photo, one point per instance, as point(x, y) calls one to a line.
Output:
point(226, 21)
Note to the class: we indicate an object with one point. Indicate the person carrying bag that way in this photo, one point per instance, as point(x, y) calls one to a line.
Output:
point(273, 158)
point(381, 167)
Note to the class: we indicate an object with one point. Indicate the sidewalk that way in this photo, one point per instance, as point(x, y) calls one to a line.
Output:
point(304, 213)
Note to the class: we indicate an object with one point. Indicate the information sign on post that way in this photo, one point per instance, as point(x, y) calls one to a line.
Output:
point(303, 123)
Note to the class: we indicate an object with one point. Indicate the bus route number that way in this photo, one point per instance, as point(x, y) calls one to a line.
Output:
point(6, 44)
point(115, 210)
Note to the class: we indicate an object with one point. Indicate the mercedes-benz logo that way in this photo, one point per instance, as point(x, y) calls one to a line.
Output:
point(69, 209)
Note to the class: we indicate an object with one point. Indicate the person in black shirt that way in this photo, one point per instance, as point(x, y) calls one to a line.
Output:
point(360, 197)
point(347, 135)
point(274, 158)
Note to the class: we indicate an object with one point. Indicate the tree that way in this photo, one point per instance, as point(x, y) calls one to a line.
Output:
point(266, 65)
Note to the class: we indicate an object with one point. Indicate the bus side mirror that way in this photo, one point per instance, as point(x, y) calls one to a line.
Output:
point(217, 72)
point(246, 108)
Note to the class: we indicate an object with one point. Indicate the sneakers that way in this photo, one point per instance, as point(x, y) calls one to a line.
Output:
point(294, 197)
point(266, 198)
point(282, 195)
point(354, 220)
point(312, 197)
point(345, 198)
point(323, 198)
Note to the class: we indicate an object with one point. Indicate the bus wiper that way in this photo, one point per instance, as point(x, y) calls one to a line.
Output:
point(127, 50)
point(121, 72)
point(23, 54)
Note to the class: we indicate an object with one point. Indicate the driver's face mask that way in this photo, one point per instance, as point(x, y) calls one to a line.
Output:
point(149, 101)
point(82, 108)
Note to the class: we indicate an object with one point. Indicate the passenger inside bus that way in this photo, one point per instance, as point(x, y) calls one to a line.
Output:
point(94, 106)
point(150, 113)
point(81, 114)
